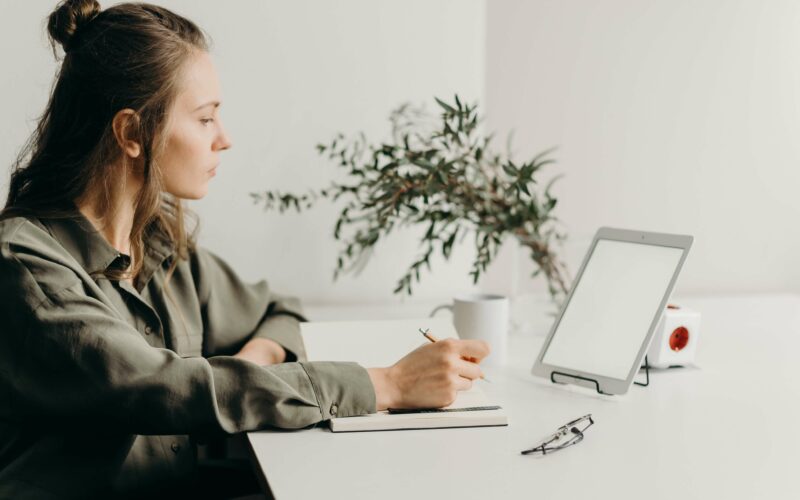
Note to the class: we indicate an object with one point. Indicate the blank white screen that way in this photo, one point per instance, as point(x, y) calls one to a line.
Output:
point(612, 308)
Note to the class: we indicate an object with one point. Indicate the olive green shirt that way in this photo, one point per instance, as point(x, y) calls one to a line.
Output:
point(105, 387)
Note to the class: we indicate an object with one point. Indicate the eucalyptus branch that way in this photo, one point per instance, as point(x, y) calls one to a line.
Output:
point(436, 171)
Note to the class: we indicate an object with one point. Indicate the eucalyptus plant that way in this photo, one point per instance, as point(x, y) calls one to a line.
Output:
point(440, 172)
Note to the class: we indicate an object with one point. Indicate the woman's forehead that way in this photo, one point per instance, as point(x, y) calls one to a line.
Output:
point(200, 86)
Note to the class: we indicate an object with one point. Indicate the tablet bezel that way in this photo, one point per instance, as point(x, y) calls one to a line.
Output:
point(605, 384)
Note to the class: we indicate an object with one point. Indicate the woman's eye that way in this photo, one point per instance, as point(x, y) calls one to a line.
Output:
point(206, 121)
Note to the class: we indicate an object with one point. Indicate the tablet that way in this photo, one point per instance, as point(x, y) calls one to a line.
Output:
point(605, 325)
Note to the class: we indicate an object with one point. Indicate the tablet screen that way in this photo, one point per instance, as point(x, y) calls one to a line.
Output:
point(612, 307)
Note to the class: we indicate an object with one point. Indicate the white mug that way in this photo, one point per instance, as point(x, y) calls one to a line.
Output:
point(482, 317)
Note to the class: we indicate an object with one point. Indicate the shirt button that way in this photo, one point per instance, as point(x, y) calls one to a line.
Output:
point(334, 409)
point(175, 447)
point(148, 330)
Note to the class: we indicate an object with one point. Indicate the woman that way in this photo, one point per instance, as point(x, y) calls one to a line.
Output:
point(123, 342)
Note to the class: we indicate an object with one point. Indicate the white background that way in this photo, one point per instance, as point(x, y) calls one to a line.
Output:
point(672, 116)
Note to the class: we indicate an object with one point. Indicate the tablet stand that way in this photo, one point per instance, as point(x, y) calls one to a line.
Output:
point(597, 385)
point(646, 374)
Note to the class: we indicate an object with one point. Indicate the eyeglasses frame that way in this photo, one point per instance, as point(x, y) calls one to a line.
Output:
point(560, 433)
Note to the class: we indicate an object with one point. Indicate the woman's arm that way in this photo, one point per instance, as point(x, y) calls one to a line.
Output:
point(262, 352)
point(72, 363)
point(427, 377)
point(68, 359)
point(235, 314)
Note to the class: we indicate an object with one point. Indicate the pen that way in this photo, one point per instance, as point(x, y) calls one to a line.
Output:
point(428, 335)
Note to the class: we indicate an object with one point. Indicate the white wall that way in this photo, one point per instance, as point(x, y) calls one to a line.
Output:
point(677, 116)
point(293, 74)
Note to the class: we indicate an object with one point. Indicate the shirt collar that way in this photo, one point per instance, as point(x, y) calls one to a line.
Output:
point(95, 254)
point(158, 248)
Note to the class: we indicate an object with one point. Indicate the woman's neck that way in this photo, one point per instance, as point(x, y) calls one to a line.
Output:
point(116, 229)
point(114, 226)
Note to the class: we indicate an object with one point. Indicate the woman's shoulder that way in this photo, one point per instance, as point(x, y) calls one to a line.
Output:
point(31, 259)
point(18, 232)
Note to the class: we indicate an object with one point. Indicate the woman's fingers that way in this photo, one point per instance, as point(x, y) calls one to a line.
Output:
point(469, 370)
point(473, 349)
point(463, 384)
point(470, 349)
point(464, 356)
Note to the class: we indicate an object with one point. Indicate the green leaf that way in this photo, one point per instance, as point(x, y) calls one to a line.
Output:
point(422, 163)
point(509, 169)
point(429, 233)
point(444, 105)
point(543, 163)
point(543, 154)
point(475, 275)
point(447, 246)
point(389, 166)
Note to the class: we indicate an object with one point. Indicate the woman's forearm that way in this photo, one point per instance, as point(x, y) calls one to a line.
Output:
point(262, 351)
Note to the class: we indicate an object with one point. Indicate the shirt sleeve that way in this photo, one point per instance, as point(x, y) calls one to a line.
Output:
point(234, 311)
point(68, 359)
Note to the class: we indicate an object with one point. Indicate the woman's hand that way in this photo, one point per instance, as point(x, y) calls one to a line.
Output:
point(430, 376)
point(262, 352)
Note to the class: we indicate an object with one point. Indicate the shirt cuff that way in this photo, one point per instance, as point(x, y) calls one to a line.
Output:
point(342, 389)
point(285, 330)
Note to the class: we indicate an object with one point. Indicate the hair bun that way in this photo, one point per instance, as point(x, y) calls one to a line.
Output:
point(68, 18)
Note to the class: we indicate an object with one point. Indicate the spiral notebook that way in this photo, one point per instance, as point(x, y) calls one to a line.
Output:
point(382, 343)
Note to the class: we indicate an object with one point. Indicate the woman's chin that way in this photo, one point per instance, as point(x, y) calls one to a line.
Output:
point(190, 194)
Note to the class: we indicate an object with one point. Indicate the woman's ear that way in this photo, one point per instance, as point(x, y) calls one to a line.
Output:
point(125, 125)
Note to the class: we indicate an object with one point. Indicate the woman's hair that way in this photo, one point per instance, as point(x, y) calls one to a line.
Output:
point(130, 55)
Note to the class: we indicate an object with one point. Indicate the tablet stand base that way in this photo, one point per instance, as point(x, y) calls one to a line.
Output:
point(597, 384)
point(646, 374)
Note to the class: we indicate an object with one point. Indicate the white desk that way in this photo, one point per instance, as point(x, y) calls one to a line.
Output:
point(728, 429)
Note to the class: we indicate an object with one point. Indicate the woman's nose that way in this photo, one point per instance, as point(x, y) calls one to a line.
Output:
point(223, 142)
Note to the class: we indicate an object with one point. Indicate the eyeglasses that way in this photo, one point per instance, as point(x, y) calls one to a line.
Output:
point(566, 435)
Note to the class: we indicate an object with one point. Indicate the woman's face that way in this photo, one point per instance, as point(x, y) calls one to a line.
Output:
point(194, 136)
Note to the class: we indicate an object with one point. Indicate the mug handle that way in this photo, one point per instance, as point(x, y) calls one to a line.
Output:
point(439, 308)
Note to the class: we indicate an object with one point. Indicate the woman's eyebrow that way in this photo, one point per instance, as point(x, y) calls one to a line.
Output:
point(210, 103)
